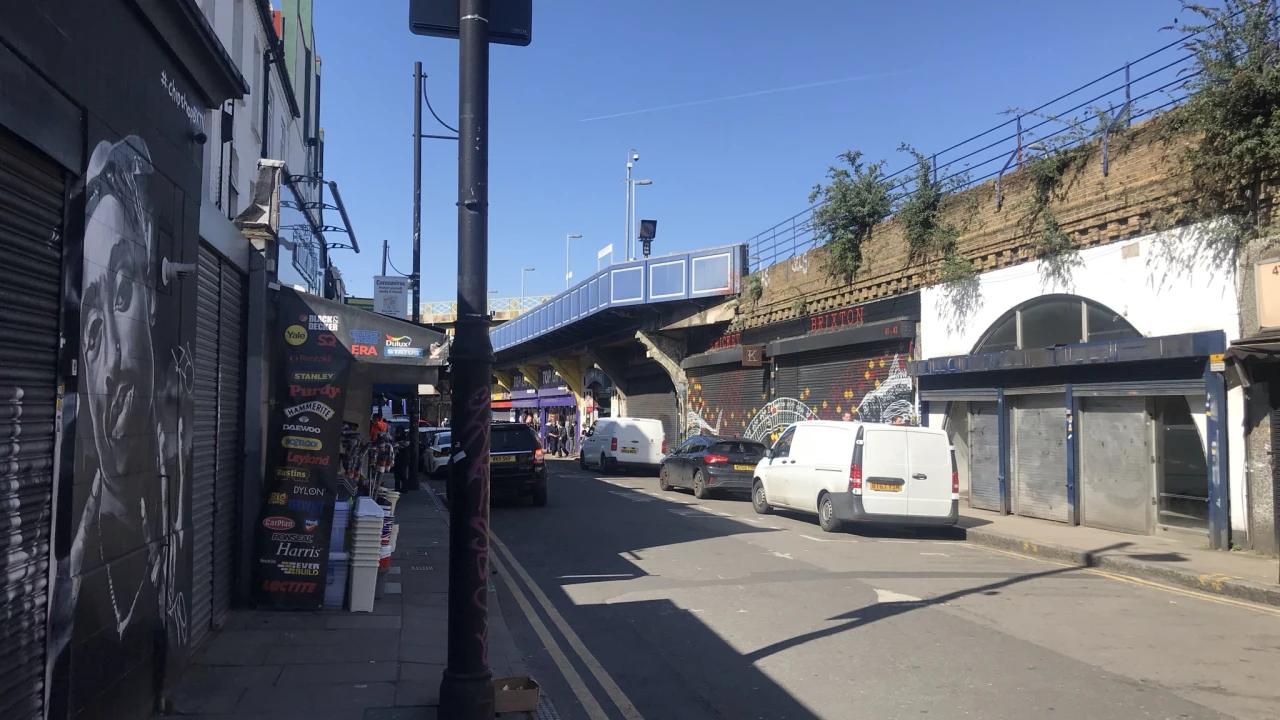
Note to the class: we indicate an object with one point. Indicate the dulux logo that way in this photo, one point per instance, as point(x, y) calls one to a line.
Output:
point(402, 341)
point(365, 337)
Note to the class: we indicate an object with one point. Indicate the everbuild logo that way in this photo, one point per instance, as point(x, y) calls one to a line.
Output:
point(289, 586)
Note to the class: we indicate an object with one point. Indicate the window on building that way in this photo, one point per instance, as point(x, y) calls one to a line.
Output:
point(233, 184)
point(257, 91)
point(237, 28)
point(1055, 320)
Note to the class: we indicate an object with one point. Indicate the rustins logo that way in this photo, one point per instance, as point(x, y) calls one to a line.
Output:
point(289, 551)
point(312, 376)
point(300, 358)
point(294, 474)
point(402, 341)
point(365, 350)
point(320, 322)
point(366, 337)
point(310, 525)
point(277, 499)
point(327, 340)
point(404, 352)
point(295, 334)
point(301, 459)
point(288, 586)
point(288, 537)
point(315, 406)
point(307, 491)
point(293, 442)
point(277, 523)
point(328, 391)
point(302, 428)
point(307, 506)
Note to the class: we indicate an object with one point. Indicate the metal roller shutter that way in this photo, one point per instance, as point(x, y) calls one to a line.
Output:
point(654, 397)
point(872, 383)
point(230, 439)
point(724, 398)
point(1040, 457)
point(1116, 474)
point(32, 190)
point(205, 442)
point(984, 456)
point(786, 381)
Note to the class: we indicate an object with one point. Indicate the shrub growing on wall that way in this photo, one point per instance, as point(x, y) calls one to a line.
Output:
point(854, 200)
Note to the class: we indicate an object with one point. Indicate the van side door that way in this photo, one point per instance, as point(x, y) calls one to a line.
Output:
point(781, 475)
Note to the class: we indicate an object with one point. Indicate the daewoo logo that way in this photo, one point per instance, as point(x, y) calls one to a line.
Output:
point(293, 442)
point(402, 341)
point(295, 334)
point(278, 523)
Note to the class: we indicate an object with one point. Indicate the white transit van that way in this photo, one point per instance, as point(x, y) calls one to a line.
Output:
point(860, 472)
point(624, 442)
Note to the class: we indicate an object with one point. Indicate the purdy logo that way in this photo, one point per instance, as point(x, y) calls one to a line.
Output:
point(328, 391)
point(295, 334)
point(307, 506)
point(294, 458)
point(288, 586)
point(366, 337)
point(293, 474)
point(402, 341)
point(277, 499)
point(277, 523)
point(315, 406)
point(302, 428)
point(318, 376)
point(288, 537)
point(305, 491)
point(290, 551)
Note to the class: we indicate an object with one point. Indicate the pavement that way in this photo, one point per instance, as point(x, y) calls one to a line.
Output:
point(384, 665)
point(628, 602)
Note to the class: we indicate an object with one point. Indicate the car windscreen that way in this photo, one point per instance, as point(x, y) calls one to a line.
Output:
point(512, 439)
point(743, 448)
point(441, 439)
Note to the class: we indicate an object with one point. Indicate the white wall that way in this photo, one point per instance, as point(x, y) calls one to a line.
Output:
point(1166, 285)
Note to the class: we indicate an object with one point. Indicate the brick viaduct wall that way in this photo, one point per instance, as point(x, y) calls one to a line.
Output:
point(1131, 200)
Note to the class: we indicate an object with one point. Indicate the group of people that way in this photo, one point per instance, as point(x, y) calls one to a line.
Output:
point(561, 433)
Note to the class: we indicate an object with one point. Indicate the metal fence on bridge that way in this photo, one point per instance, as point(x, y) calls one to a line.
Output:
point(446, 311)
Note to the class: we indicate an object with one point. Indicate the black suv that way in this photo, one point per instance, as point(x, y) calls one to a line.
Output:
point(516, 463)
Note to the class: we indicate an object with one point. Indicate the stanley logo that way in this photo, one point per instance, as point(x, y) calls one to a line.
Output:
point(321, 376)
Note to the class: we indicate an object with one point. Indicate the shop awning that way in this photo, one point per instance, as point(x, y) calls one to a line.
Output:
point(1262, 347)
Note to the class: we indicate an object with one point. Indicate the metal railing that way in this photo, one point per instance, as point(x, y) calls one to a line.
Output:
point(1138, 90)
point(442, 311)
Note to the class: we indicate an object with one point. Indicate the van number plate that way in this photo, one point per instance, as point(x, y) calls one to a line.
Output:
point(886, 487)
point(629, 451)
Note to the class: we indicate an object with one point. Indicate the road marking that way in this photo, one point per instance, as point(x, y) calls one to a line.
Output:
point(810, 537)
point(606, 681)
point(936, 554)
point(787, 556)
point(571, 676)
point(888, 596)
point(632, 496)
point(901, 542)
point(1138, 581)
point(752, 520)
point(595, 577)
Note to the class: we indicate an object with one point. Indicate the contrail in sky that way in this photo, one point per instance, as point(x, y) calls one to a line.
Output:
point(757, 93)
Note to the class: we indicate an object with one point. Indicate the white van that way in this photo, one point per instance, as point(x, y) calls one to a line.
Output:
point(860, 472)
point(623, 442)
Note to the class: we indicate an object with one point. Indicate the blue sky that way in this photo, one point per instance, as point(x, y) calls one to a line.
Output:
point(932, 73)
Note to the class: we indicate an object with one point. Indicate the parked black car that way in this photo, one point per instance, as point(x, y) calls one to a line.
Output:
point(516, 463)
point(707, 464)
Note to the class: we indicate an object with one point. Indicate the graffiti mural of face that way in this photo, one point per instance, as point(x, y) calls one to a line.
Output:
point(116, 322)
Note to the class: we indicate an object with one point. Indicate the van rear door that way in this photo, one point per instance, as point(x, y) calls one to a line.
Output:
point(884, 471)
point(929, 465)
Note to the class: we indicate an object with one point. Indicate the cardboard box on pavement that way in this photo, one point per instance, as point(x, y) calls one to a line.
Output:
point(515, 694)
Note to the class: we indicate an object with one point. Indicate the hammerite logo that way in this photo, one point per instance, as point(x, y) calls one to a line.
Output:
point(295, 334)
point(293, 442)
point(315, 406)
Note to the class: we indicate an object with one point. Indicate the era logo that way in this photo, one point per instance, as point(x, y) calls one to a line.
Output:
point(364, 350)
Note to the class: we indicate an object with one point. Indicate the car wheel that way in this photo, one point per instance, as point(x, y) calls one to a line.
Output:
point(604, 464)
point(540, 495)
point(827, 514)
point(662, 479)
point(582, 461)
point(758, 499)
point(700, 490)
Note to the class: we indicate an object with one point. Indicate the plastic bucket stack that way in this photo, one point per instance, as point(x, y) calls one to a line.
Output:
point(366, 553)
point(335, 588)
point(384, 558)
point(341, 518)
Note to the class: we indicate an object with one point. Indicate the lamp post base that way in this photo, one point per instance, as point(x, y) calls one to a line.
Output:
point(467, 697)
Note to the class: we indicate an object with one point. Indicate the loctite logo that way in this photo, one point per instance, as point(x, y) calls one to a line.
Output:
point(295, 334)
point(402, 341)
point(294, 458)
point(294, 473)
point(315, 406)
point(302, 428)
point(288, 586)
point(328, 391)
point(293, 442)
point(278, 523)
point(312, 375)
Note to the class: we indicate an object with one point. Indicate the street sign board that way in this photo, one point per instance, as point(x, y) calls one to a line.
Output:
point(510, 21)
point(752, 355)
point(391, 295)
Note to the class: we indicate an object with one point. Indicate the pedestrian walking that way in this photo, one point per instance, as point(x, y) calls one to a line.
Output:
point(553, 438)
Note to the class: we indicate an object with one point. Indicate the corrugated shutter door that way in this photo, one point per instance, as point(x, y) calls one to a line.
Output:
point(1115, 464)
point(654, 397)
point(726, 397)
point(1040, 457)
point(31, 211)
point(230, 440)
point(872, 383)
point(984, 456)
point(204, 441)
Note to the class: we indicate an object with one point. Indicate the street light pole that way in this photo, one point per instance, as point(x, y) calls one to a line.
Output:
point(466, 688)
point(632, 157)
point(567, 272)
point(522, 272)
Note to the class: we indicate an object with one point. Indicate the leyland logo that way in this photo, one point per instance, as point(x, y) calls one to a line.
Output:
point(315, 406)
point(295, 334)
point(293, 442)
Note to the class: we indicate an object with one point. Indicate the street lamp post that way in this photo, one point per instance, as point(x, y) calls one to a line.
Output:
point(632, 157)
point(522, 272)
point(567, 272)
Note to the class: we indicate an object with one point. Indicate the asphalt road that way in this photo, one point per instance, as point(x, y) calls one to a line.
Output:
point(632, 603)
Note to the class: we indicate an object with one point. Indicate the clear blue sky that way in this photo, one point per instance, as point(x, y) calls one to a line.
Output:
point(936, 72)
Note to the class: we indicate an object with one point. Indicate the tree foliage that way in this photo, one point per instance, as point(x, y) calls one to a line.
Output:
point(1234, 112)
point(921, 213)
point(854, 200)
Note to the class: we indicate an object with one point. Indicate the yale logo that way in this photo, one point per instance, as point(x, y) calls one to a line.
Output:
point(295, 334)
point(293, 442)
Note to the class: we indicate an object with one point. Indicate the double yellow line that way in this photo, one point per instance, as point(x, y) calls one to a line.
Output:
point(576, 683)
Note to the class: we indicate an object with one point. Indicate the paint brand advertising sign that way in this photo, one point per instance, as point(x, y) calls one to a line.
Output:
point(302, 477)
